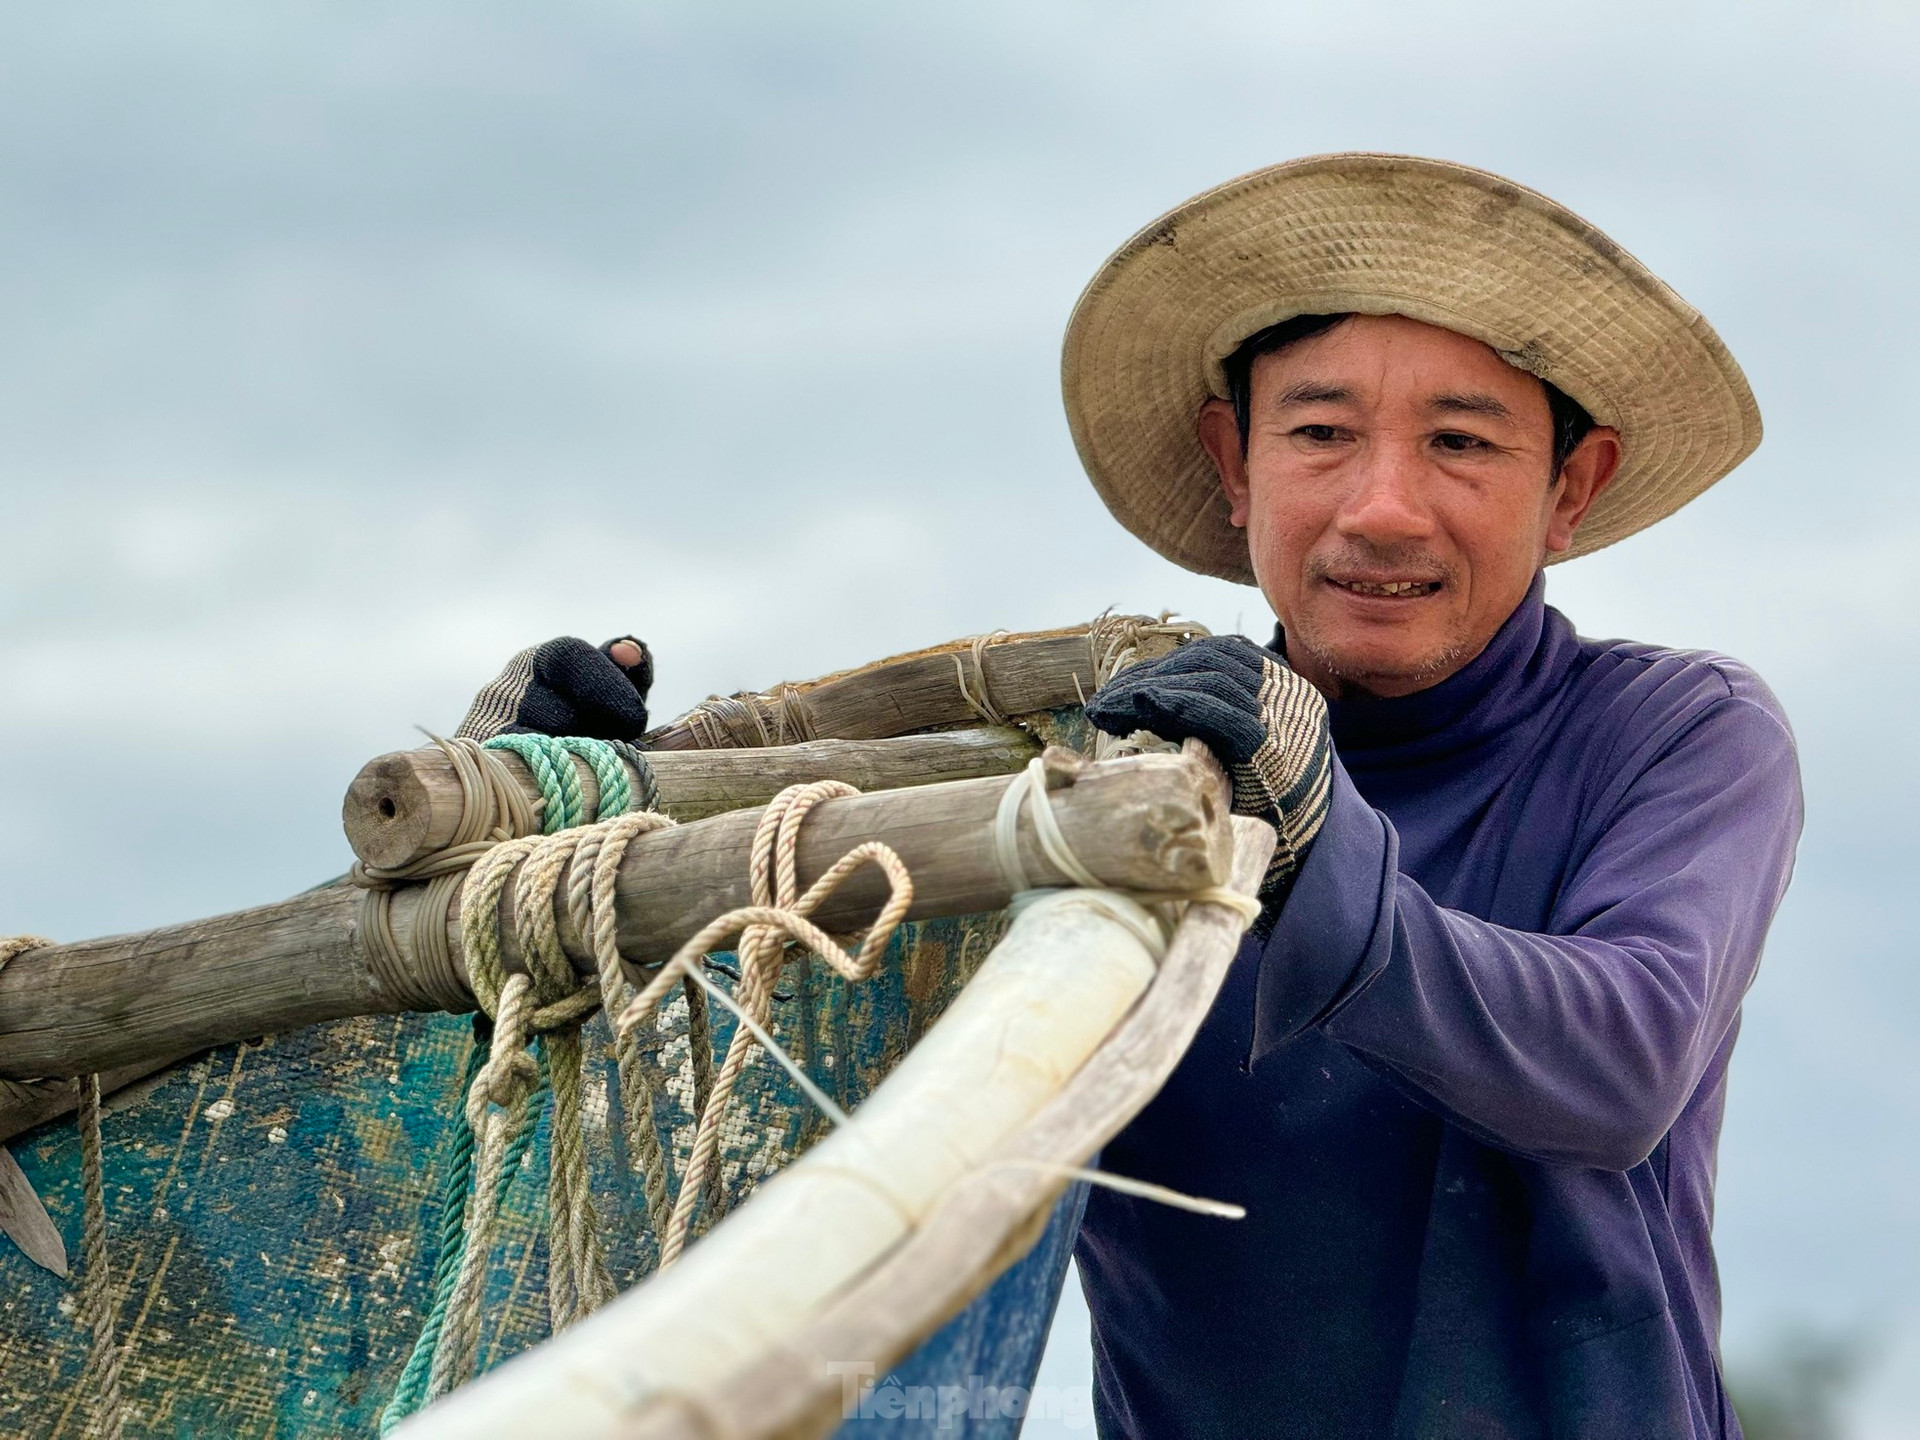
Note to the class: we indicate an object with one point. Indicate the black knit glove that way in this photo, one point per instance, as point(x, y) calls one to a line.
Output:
point(1263, 722)
point(565, 687)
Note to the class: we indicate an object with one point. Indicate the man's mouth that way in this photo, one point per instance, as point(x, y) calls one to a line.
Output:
point(1395, 589)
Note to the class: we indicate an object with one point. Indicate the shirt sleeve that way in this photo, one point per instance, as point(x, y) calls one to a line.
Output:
point(1578, 1046)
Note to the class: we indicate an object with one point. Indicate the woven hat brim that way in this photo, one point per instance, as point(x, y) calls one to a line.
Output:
point(1387, 235)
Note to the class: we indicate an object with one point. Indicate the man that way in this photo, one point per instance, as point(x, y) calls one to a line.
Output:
point(1467, 1071)
point(1467, 1074)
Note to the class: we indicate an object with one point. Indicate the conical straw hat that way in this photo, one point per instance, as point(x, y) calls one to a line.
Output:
point(1387, 235)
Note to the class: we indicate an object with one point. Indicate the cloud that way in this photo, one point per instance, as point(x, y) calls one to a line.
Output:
point(348, 351)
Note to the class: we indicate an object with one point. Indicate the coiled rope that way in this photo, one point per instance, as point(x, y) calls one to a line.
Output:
point(978, 697)
point(504, 1081)
point(748, 721)
point(492, 809)
point(1116, 641)
point(547, 998)
point(1029, 792)
point(1113, 643)
point(99, 1305)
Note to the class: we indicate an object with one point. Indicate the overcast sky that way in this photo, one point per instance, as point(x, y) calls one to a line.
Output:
point(348, 348)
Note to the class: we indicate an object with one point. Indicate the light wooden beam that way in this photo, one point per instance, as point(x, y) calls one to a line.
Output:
point(407, 805)
point(1149, 822)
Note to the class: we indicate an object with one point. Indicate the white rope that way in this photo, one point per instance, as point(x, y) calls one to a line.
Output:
point(1029, 789)
point(1108, 902)
point(773, 1047)
point(1006, 832)
point(1127, 1185)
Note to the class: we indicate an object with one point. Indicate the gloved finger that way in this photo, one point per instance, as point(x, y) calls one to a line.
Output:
point(633, 656)
point(1237, 668)
point(1136, 701)
point(1242, 684)
point(599, 696)
point(1120, 709)
point(542, 711)
point(1228, 722)
point(1230, 730)
point(1233, 654)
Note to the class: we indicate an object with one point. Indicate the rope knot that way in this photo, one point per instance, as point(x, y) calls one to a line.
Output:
point(779, 912)
point(505, 1081)
point(577, 867)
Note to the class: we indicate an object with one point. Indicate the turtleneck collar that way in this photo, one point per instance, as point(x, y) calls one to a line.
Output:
point(1528, 659)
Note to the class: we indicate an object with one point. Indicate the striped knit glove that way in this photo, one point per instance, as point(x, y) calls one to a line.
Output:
point(1266, 724)
point(566, 687)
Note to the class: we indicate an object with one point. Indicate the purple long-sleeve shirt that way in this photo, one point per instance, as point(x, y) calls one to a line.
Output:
point(1470, 1087)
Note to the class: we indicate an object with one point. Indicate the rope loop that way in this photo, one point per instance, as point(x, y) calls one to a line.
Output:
point(493, 810)
point(748, 721)
point(1028, 790)
point(778, 913)
point(978, 698)
point(1116, 641)
point(511, 1074)
point(553, 772)
point(547, 1001)
point(642, 767)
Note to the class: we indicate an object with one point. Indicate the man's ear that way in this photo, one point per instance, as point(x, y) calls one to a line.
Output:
point(1589, 470)
point(1219, 435)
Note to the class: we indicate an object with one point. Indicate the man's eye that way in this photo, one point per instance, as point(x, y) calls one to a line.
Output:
point(1319, 434)
point(1459, 444)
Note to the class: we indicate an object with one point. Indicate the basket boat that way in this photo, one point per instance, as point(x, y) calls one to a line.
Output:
point(279, 1088)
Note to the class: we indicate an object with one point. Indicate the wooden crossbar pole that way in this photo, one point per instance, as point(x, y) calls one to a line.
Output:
point(27, 1103)
point(1148, 822)
point(405, 806)
point(1015, 675)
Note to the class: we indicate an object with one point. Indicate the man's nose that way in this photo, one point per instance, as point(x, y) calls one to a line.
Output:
point(1386, 504)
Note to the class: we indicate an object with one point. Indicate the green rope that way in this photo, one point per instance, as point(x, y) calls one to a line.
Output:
point(563, 808)
point(616, 790)
point(411, 1391)
point(410, 1394)
point(643, 767)
point(553, 772)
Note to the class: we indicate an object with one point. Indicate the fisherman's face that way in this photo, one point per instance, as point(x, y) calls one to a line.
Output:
point(1396, 494)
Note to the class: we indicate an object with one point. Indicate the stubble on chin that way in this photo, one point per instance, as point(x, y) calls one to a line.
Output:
point(1353, 679)
point(1347, 675)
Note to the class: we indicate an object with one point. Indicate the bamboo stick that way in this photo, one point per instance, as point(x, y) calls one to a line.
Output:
point(405, 806)
point(1042, 1002)
point(988, 1220)
point(865, 1245)
point(1149, 822)
point(1044, 670)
